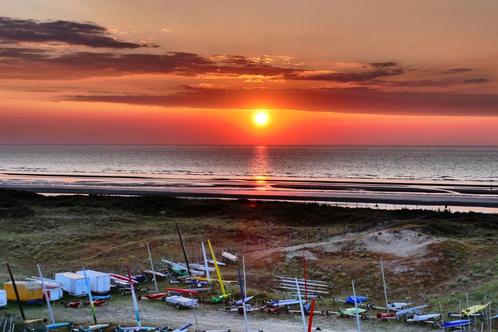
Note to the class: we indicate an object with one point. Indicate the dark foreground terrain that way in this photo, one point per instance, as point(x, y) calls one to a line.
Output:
point(429, 256)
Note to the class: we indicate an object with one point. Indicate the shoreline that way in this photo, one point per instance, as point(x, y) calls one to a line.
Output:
point(460, 196)
point(398, 198)
point(485, 183)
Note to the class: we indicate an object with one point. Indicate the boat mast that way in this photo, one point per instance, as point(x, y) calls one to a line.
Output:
point(243, 296)
point(16, 291)
point(310, 319)
point(384, 283)
point(46, 295)
point(183, 249)
point(300, 305)
point(152, 268)
point(206, 266)
point(134, 299)
point(90, 297)
point(358, 326)
point(218, 273)
point(246, 321)
point(305, 279)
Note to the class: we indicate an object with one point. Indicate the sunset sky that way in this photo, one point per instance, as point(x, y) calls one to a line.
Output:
point(196, 72)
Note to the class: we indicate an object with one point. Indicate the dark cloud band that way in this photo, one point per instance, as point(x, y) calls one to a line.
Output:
point(68, 32)
point(360, 100)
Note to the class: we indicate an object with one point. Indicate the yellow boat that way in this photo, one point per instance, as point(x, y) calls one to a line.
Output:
point(28, 291)
point(475, 309)
point(200, 278)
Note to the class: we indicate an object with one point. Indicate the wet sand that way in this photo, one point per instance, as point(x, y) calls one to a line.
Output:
point(368, 191)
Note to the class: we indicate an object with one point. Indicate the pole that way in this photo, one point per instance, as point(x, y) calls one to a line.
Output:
point(441, 313)
point(245, 293)
point(358, 325)
point(206, 266)
point(90, 297)
point(183, 249)
point(467, 299)
point(152, 268)
point(218, 273)
point(46, 296)
point(384, 283)
point(134, 299)
point(16, 291)
point(243, 296)
point(310, 319)
point(305, 272)
point(490, 321)
point(301, 305)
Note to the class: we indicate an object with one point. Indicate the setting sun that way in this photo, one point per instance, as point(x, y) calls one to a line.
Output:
point(261, 118)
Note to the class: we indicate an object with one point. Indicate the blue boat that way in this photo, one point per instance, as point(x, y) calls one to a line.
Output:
point(56, 326)
point(184, 328)
point(139, 329)
point(359, 299)
point(102, 297)
point(456, 323)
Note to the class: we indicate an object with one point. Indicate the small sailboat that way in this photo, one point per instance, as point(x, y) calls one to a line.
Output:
point(138, 327)
point(224, 295)
point(53, 325)
point(96, 326)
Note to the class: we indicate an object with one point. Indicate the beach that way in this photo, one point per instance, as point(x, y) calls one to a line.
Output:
point(454, 195)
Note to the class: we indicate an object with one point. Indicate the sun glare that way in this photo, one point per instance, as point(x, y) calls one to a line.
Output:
point(261, 118)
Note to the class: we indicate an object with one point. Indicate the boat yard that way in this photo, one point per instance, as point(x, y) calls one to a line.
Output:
point(162, 242)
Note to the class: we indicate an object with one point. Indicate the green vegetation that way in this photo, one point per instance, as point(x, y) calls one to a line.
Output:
point(460, 254)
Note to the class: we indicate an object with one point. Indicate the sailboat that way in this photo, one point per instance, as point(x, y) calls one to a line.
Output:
point(224, 295)
point(138, 327)
point(53, 324)
point(96, 326)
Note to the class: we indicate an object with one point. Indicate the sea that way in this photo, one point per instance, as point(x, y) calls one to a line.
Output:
point(399, 163)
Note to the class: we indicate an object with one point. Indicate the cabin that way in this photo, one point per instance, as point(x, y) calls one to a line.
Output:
point(73, 283)
point(3, 298)
point(29, 291)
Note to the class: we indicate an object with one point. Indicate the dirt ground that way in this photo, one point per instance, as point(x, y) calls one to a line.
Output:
point(209, 317)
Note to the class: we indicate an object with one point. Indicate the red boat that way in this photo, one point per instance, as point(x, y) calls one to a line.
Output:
point(156, 296)
point(96, 302)
point(73, 304)
point(182, 291)
point(123, 278)
point(386, 315)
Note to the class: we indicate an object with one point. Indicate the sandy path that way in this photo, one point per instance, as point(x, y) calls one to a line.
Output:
point(157, 313)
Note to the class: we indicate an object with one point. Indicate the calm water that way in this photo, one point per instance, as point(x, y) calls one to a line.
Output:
point(405, 163)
